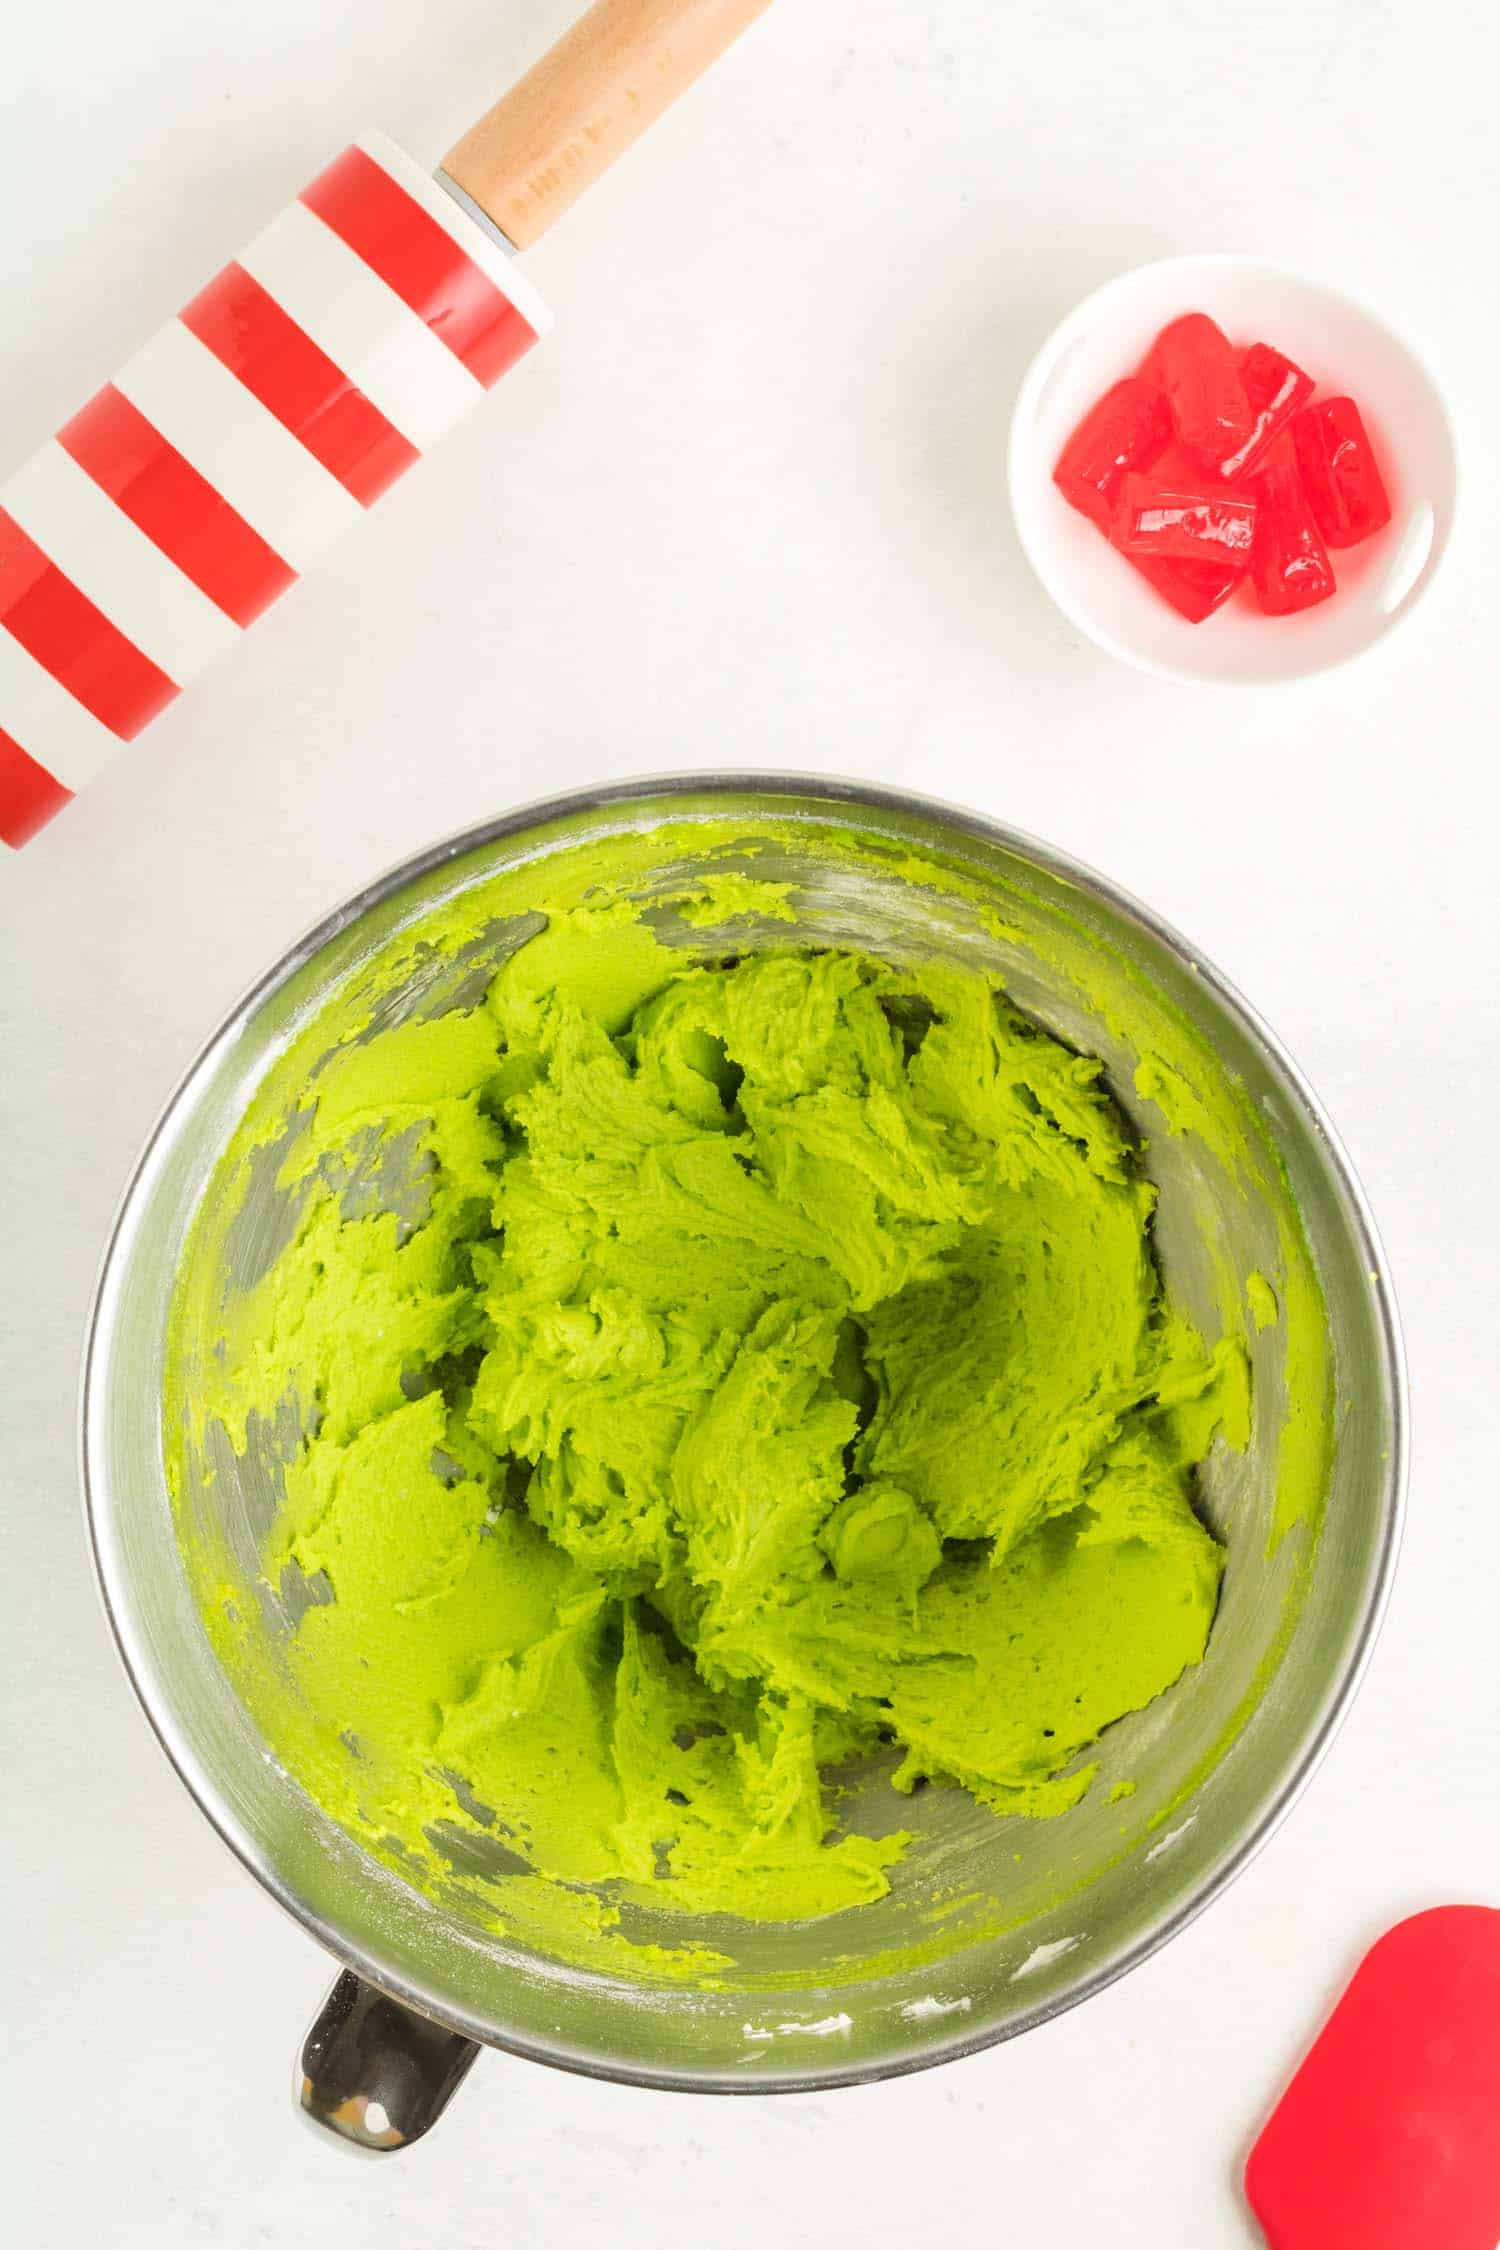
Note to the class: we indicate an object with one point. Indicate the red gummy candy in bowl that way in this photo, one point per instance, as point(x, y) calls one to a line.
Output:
point(1288, 331)
point(1229, 411)
point(1275, 387)
point(1289, 566)
point(1197, 370)
point(1126, 429)
point(1194, 589)
point(1340, 473)
point(1185, 519)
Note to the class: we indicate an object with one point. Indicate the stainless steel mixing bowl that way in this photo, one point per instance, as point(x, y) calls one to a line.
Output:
point(991, 1926)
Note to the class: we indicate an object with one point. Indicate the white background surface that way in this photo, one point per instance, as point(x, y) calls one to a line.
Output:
point(745, 507)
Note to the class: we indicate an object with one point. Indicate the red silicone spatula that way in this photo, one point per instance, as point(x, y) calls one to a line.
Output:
point(1388, 2138)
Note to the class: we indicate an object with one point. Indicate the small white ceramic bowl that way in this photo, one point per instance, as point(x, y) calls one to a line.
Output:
point(1345, 348)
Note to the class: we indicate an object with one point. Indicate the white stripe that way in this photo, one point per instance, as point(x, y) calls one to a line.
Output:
point(364, 327)
point(264, 473)
point(79, 528)
point(455, 222)
point(50, 724)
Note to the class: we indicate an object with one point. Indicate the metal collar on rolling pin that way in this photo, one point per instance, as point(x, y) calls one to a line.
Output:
point(284, 399)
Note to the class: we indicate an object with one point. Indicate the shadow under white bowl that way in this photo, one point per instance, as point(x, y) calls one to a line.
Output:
point(1345, 348)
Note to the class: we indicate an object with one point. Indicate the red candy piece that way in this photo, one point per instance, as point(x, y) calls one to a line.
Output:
point(1197, 367)
point(1275, 387)
point(1172, 520)
point(1128, 429)
point(1289, 564)
point(1343, 484)
point(1195, 590)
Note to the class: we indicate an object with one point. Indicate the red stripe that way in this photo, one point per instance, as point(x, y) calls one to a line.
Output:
point(420, 260)
point(245, 328)
point(177, 509)
point(29, 797)
point(73, 640)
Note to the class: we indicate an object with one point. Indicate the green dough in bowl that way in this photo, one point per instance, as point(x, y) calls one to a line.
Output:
point(696, 1366)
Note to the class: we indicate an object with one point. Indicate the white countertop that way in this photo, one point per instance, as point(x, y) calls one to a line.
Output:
point(746, 507)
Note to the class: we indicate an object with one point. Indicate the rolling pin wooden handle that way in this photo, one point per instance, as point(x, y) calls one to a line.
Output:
point(608, 78)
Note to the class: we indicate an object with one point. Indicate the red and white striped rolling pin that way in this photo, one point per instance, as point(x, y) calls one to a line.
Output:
point(281, 402)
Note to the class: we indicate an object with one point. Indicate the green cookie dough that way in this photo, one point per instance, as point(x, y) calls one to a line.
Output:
point(773, 1373)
